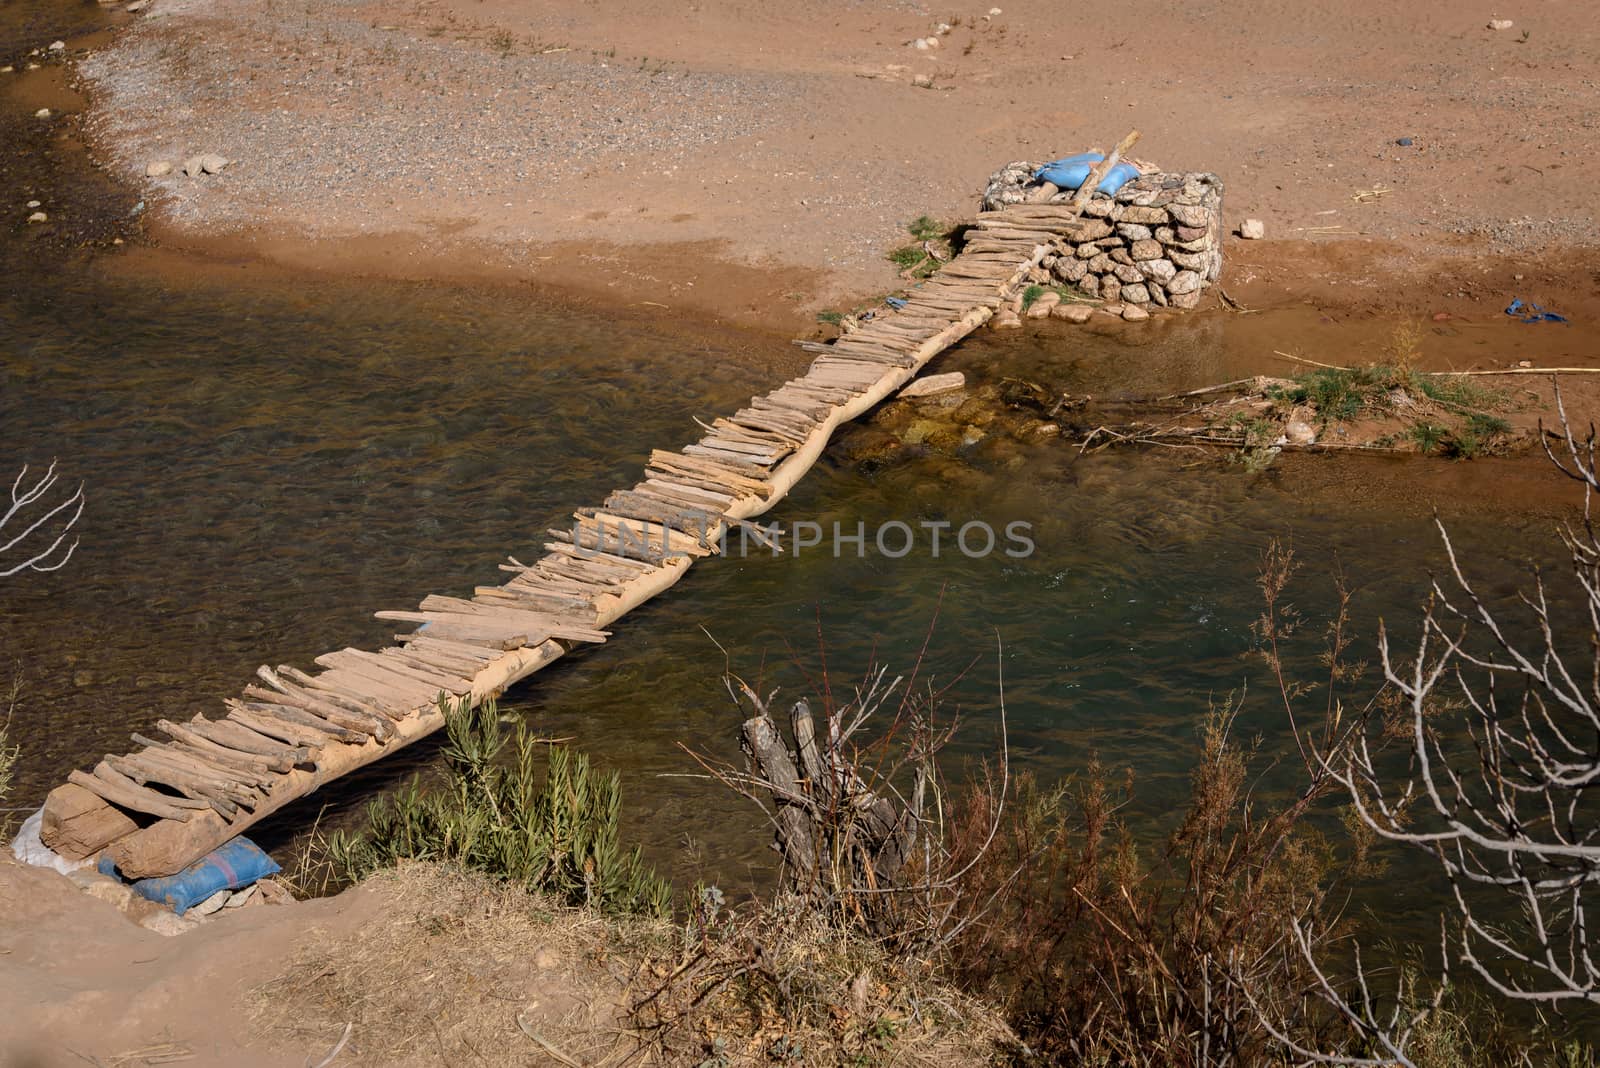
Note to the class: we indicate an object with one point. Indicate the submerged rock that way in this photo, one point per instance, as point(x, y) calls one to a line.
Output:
point(928, 385)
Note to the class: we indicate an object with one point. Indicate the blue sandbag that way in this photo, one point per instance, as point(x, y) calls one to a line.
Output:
point(1072, 171)
point(237, 864)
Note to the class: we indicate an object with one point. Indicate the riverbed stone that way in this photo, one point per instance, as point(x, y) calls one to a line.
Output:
point(1072, 313)
point(1093, 230)
point(193, 167)
point(1110, 289)
point(1090, 284)
point(1188, 214)
point(1190, 233)
point(212, 163)
point(38, 217)
point(928, 385)
point(1159, 270)
point(1041, 306)
point(1184, 282)
point(1137, 293)
point(1097, 208)
point(1147, 250)
point(1133, 313)
point(1189, 261)
point(1190, 299)
point(166, 923)
point(157, 168)
point(1071, 271)
point(1101, 263)
point(1128, 274)
point(1135, 231)
point(1087, 251)
point(1252, 229)
point(1149, 216)
point(1007, 320)
point(1120, 255)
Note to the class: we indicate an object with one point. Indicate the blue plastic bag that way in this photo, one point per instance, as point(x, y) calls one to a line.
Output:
point(1529, 312)
point(1072, 171)
point(237, 864)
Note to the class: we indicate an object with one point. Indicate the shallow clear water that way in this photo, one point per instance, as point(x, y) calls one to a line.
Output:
point(267, 466)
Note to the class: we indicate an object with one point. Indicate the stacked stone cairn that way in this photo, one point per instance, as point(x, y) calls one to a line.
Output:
point(1156, 241)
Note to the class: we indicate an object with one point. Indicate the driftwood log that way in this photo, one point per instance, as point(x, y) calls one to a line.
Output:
point(835, 833)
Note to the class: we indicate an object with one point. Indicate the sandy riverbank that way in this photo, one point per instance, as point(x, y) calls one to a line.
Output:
point(754, 162)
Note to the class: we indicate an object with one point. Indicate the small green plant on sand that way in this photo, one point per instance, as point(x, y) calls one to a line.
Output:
point(932, 247)
point(926, 228)
point(556, 832)
point(1031, 294)
point(832, 318)
point(1428, 436)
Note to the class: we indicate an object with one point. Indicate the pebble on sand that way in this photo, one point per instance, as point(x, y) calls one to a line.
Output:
point(137, 6)
point(42, 113)
point(58, 46)
point(1500, 24)
point(1252, 229)
point(1134, 314)
point(38, 217)
point(157, 169)
point(212, 163)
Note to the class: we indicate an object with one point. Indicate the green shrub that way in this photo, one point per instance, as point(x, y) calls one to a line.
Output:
point(1031, 294)
point(558, 835)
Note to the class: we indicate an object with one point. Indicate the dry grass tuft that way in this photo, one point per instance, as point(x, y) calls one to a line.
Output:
point(461, 960)
point(788, 983)
point(473, 971)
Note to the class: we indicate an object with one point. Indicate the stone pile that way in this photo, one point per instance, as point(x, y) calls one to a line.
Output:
point(1157, 241)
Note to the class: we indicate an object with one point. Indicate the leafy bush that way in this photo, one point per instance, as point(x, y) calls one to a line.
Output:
point(558, 836)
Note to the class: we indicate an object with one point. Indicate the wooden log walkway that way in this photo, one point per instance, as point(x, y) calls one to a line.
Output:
point(169, 802)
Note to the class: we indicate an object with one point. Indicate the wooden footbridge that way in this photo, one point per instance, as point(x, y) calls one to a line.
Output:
point(168, 803)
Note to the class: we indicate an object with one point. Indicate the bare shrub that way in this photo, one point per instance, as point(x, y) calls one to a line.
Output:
point(31, 532)
point(1485, 756)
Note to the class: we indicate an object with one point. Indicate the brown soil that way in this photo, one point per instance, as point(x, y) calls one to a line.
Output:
point(424, 965)
point(755, 161)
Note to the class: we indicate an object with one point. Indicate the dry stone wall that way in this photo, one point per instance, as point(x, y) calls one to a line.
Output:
point(1156, 241)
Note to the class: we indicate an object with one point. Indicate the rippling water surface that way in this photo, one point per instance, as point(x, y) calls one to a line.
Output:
point(268, 464)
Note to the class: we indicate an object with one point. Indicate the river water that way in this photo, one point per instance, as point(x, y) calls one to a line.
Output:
point(267, 463)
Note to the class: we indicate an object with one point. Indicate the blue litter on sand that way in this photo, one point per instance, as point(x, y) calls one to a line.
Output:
point(895, 302)
point(1528, 312)
point(1404, 142)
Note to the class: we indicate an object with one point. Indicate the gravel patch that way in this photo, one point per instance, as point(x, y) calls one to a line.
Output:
point(352, 117)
